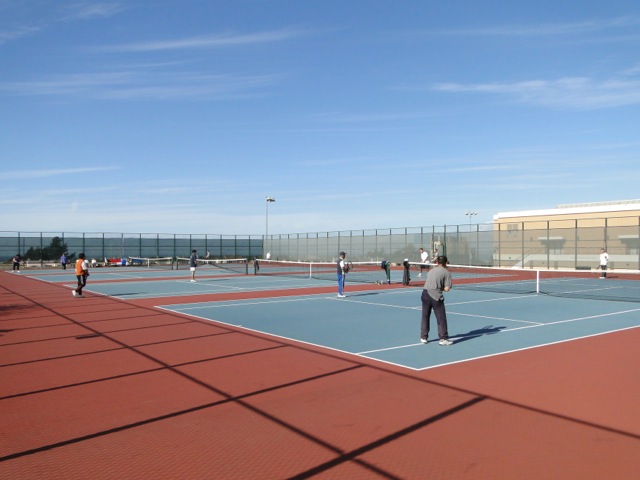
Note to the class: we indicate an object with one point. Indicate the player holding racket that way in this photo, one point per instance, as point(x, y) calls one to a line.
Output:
point(342, 268)
point(438, 281)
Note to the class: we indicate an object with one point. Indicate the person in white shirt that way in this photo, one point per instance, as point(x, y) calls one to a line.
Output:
point(604, 261)
point(424, 258)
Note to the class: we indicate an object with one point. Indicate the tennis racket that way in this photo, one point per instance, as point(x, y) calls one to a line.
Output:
point(348, 266)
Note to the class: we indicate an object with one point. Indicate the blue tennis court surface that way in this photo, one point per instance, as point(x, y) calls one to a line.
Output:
point(381, 323)
point(385, 325)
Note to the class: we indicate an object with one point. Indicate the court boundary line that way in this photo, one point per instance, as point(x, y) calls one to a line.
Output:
point(394, 291)
point(364, 354)
point(531, 347)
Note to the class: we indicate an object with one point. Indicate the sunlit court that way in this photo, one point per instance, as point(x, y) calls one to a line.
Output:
point(489, 312)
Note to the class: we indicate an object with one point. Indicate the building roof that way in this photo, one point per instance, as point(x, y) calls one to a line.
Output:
point(575, 209)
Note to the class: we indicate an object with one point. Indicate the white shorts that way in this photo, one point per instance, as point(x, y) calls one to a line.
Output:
point(193, 269)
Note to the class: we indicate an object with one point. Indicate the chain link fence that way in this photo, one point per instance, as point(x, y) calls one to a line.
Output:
point(549, 244)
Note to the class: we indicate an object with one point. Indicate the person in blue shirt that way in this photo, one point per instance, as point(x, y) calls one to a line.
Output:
point(342, 270)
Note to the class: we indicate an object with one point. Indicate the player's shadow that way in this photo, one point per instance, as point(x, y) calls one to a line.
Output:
point(363, 294)
point(488, 330)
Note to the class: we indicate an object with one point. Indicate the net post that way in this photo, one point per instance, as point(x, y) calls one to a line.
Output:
point(537, 281)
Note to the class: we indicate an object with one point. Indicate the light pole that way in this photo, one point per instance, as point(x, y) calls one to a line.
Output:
point(470, 214)
point(268, 200)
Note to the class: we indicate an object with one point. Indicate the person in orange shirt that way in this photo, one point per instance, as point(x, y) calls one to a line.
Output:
point(82, 272)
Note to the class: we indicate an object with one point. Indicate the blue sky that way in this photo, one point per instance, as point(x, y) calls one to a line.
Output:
point(181, 116)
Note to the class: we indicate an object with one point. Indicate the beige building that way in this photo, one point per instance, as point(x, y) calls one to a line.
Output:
point(569, 236)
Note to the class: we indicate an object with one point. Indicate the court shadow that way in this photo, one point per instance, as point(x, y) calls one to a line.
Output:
point(8, 309)
point(488, 330)
point(363, 294)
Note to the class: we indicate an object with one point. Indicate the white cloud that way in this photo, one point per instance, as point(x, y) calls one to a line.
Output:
point(141, 85)
point(569, 92)
point(85, 10)
point(26, 174)
point(208, 41)
point(16, 33)
point(548, 29)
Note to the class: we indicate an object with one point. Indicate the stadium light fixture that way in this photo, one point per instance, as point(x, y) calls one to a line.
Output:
point(470, 214)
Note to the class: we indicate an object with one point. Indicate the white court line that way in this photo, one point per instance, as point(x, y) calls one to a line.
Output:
point(208, 304)
point(522, 328)
point(176, 308)
point(449, 312)
point(397, 347)
point(237, 303)
point(200, 283)
point(502, 299)
point(487, 317)
point(523, 348)
point(575, 319)
point(351, 300)
point(209, 288)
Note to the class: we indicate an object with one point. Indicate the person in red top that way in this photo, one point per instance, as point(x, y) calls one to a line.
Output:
point(82, 272)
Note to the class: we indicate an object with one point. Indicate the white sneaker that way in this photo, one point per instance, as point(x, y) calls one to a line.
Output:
point(341, 296)
point(74, 293)
point(424, 340)
point(445, 342)
point(193, 281)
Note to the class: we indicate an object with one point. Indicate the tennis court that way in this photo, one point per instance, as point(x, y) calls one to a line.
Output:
point(381, 322)
point(273, 376)
point(384, 325)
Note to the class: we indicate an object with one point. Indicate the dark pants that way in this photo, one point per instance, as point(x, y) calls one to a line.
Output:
point(604, 271)
point(406, 277)
point(82, 281)
point(428, 304)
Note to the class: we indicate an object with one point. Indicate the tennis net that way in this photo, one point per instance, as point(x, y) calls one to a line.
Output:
point(359, 272)
point(230, 265)
point(164, 263)
point(619, 285)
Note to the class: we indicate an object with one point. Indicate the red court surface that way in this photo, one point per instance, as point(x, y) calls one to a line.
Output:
point(101, 388)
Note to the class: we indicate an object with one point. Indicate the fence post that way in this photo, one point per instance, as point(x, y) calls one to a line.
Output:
point(575, 243)
point(522, 255)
